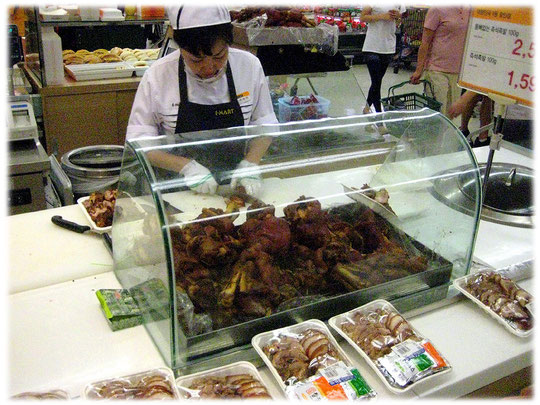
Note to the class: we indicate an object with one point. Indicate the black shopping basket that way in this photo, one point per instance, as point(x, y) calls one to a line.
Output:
point(410, 101)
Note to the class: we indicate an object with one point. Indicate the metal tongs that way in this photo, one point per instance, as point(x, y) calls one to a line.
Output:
point(359, 196)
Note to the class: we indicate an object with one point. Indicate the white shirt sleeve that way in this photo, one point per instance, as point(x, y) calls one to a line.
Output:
point(142, 120)
point(263, 111)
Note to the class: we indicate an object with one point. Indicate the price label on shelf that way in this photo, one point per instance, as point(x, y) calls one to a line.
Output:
point(499, 53)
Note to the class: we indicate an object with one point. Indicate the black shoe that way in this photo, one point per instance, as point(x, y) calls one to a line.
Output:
point(478, 143)
point(465, 132)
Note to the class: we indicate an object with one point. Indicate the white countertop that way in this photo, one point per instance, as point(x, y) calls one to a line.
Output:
point(58, 337)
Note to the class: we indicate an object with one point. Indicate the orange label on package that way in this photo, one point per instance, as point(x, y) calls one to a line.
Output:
point(434, 353)
point(330, 391)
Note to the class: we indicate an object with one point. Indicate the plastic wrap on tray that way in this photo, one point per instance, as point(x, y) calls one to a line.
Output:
point(392, 347)
point(41, 395)
point(239, 380)
point(154, 384)
point(323, 37)
point(502, 298)
point(308, 363)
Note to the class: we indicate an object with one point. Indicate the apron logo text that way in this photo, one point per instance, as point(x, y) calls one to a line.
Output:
point(228, 111)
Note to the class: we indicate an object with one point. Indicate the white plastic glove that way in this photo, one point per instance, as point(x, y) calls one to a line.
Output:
point(247, 175)
point(198, 178)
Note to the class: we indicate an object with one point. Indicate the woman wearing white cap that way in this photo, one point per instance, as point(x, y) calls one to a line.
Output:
point(205, 85)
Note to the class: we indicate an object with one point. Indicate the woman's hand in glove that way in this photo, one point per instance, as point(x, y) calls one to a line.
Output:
point(247, 175)
point(198, 178)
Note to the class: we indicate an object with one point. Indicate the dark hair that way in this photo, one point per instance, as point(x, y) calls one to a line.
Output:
point(202, 39)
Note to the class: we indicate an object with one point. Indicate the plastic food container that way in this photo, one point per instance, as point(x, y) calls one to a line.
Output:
point(289, 112)
point(330, 374)
point(95, 228)
point(110, 14)
point(40, 395)
point(153, 384)
point(461, 284)
point(417, 358)
point(240, 368)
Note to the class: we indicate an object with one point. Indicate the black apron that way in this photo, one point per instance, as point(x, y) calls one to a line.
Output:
point(221, 156)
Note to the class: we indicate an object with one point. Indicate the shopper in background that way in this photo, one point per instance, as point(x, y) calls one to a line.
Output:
point(441, 52)
point(379, 47)
point(203, 86)
point(464, 106)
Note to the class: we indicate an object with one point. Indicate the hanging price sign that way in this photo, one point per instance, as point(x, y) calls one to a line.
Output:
point(499, 53)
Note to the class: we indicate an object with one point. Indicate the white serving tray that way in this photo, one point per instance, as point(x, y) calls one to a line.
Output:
point(262, 339)
point(240, 367)
point(460, 283)
point(337, 320)
point(97, 71)
point(167, 373)
point(95, 228)
point(139, 70)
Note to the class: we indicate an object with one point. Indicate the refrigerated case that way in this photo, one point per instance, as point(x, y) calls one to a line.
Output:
point(211, 274)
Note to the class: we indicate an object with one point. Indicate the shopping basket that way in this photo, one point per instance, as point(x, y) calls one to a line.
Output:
point(410, 101)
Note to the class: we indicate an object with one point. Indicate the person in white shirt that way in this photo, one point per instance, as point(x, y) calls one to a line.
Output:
point(204, 85)
point(379, 47)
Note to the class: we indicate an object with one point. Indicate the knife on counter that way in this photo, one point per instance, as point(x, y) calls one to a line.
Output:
point(72, 226)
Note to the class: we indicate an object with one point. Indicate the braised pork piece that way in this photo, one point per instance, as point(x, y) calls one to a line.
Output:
point(239, 273)
point(376, 332)
point(503, 296)
point(234, 386)
point(300, 356)
point(100, 207)
point(152, 386)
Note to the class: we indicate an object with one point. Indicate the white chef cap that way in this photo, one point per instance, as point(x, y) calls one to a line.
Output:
point(190, 16)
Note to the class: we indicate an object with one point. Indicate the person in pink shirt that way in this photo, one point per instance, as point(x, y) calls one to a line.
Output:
point(441, 52)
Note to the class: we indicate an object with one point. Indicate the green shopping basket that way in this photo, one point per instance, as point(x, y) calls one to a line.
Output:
point(409, 101)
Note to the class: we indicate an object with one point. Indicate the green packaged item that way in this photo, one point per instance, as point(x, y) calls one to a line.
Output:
point(152, 297)
point(119, 308)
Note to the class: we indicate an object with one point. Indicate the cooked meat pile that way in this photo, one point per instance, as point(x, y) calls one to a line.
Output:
point(280, 16)
point(100, 207)
point(376, 332)
point(301, 356)
point(230, 387)
point(503, 296)
point(148, 387)
point(239, 273)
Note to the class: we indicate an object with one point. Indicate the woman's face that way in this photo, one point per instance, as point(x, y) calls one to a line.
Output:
point(207, 66)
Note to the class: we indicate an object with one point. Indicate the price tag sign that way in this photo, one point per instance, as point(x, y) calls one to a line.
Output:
point(499, 53)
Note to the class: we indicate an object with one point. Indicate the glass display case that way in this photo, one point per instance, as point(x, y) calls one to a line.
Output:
point(342, 219)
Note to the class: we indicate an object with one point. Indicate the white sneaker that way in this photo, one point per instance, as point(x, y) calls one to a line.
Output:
point(382, 129)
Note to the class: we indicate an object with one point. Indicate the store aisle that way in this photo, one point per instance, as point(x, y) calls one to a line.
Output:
point(391, 79)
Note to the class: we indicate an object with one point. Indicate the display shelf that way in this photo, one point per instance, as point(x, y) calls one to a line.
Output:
point(80, 23)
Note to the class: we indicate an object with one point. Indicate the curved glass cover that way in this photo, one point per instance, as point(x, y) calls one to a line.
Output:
point(344, 216)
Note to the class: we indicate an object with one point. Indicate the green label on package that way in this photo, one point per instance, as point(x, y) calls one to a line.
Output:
point(119, 308)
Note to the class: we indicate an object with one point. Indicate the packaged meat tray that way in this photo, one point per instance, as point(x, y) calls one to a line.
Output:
point(41, 395)
point(308, 363)
point(400, 355)
point(500, 297)
point(239, 380)
point(153, 384)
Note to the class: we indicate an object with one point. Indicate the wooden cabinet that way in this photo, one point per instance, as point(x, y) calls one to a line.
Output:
point(87, 113)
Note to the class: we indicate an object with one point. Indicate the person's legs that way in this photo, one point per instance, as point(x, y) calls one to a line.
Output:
point(377, 65)
point(440, 85)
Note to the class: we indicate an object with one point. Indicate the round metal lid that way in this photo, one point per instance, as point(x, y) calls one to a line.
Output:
point(509, 188)
point(94, 161)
